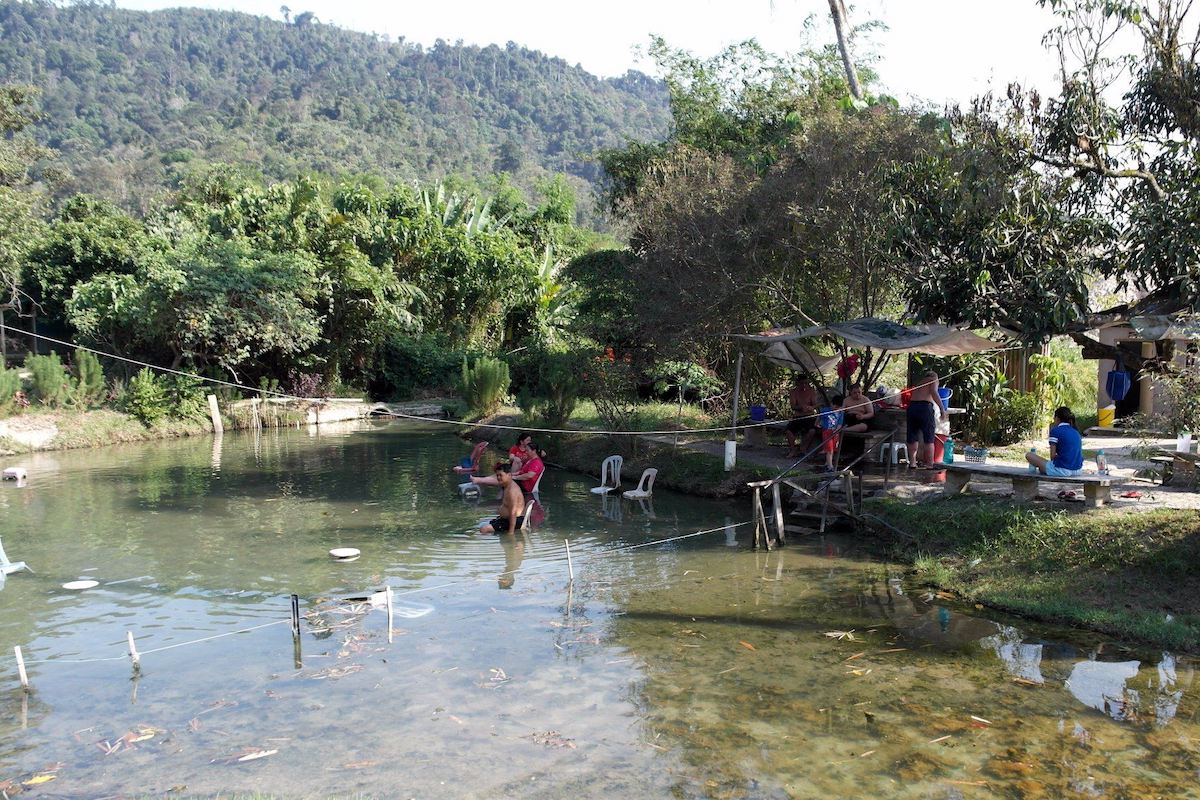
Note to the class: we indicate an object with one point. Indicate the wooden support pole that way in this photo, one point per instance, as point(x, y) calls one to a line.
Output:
point(214, 411)
point(388, 597)
point(570, 568)
point(21, 668)
point(295, 616)
point(780, 535)
point(134, 658)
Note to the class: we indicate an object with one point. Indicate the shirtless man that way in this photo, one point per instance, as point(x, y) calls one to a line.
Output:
point(923, 408)
point(512, 502)
point(803, 400)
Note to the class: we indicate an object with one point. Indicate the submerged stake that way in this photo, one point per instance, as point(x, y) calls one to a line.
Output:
point(570, 569)
point(133, 653)
point(295, 616)
point(21, 668)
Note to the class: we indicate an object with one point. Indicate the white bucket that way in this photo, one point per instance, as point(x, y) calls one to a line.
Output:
point(1184, 443)
point(730, 455)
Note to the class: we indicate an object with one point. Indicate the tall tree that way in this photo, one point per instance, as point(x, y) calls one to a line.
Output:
point(841, 25)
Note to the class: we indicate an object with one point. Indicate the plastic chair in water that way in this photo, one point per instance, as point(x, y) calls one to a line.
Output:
point(9, 567)
point(537, 485)
point(645, 487)
point(610, 475)
point(470, 464)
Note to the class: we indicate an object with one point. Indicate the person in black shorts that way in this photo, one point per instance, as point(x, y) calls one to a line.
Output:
point(803, 400)
point(512, 503)
point(923, 408)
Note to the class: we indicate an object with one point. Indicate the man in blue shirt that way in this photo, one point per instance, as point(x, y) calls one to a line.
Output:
point(1066, 448)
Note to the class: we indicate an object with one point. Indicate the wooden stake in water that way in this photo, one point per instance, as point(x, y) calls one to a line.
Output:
point(295, 616)
point(388, 597)
point(21, 668)
point(570, 569)
point(133, 653)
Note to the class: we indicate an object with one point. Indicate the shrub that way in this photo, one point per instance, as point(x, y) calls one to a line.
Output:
point(146, 396)
point(10, 384)
point(89, 388)
point(484, 385)
point(611, 385)
point(1009, 417)
point(51, 384)
point(406, 364)
point(185, 396)
point(551, 383)
point(309, 385)
point(1181, 387)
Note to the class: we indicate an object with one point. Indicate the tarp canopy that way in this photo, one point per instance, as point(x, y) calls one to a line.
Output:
point(784, 345)
point(1184, 327)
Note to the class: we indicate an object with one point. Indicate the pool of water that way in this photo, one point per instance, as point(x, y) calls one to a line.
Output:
point(694, 668)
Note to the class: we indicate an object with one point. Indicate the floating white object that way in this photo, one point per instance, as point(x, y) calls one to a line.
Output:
point(1184, 443)
point(345, 553)
point(15, 474)
point(76, 586)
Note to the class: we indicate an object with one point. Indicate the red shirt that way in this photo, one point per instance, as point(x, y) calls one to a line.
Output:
point(535, 466)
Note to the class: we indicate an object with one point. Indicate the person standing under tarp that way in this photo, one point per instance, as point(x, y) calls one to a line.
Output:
point(803, 401)
point(924, 406)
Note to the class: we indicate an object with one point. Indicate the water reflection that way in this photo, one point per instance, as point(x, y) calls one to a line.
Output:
point(695, 668)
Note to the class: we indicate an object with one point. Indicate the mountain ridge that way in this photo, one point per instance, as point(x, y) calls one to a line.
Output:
point(131, 97)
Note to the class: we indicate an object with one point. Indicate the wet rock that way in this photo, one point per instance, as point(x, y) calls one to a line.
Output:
point(1027, 789)
point(920, 766)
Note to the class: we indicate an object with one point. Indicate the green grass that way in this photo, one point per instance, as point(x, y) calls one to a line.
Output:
point(1118, 572)
point(648, 417)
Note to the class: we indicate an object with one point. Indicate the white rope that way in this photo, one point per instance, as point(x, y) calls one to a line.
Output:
point(462, 423)
point(156, 649)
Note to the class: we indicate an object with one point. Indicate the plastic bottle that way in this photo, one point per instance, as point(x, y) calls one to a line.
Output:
point(948, 451)
point(1101, 463)
point(1032, 469)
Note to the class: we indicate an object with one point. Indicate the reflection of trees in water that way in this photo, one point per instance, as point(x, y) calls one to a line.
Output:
point(792, 714)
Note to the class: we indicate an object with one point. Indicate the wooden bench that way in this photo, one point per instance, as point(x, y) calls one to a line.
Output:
point(1097, 489)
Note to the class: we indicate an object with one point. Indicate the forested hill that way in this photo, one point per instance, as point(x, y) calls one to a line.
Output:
point(131, 96)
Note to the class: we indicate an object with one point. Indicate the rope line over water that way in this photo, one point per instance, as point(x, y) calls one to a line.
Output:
point(548, 566)
point(456, 422)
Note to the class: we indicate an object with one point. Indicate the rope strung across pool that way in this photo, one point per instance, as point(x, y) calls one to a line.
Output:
point(21, 662)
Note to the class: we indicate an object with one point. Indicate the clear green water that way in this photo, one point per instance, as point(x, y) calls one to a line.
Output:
point(693, 669)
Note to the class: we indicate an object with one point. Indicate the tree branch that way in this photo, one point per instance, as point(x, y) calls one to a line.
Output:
point(1069, 164)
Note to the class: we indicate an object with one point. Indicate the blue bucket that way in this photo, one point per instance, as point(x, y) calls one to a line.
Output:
point(758, 413)
point(945, 394)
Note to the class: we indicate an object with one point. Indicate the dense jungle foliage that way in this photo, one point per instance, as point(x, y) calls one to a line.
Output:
point(130, 99)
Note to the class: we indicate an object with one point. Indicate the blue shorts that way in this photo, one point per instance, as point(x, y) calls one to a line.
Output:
point(922, 422)
point(1059, 472)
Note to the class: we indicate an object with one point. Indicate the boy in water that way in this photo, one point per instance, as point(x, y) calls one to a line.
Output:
point(512, 503)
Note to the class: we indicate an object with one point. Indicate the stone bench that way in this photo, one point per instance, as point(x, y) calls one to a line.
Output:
point(1097, 489)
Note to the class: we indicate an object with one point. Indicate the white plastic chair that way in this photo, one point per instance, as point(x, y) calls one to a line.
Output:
point(645, 486)
point(610, 469)
point(9, 567)
point(892, 450)
point(537, 485)
point(468, 489)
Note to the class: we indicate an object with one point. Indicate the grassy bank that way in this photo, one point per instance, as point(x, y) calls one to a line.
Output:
point(69, 430)
point(1127, 573)
point(683, 470)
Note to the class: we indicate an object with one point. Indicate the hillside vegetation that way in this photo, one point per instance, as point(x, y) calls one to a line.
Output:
point(130, 97)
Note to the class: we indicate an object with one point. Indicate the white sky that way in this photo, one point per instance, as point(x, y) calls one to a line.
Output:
point(934, 50)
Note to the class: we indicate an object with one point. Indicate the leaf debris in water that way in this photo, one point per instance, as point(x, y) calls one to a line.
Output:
point(747, 645)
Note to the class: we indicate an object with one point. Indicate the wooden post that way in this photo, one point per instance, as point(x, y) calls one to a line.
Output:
point(389, 612)
point(737, 393)
point(134, 658)
point(570, 568)
point(3, 342)
point(214, 411)
point(295, 616)
point(21, 668)
point(775, 498)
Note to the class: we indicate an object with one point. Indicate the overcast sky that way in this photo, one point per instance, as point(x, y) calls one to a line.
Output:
point(934, 50)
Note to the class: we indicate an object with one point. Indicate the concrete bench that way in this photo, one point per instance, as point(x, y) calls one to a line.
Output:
point(1097, 489)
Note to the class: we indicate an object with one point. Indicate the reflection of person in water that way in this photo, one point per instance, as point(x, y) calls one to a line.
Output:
point(514, 554)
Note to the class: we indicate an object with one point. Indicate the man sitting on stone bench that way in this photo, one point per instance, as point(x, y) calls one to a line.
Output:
point(1066, 448)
